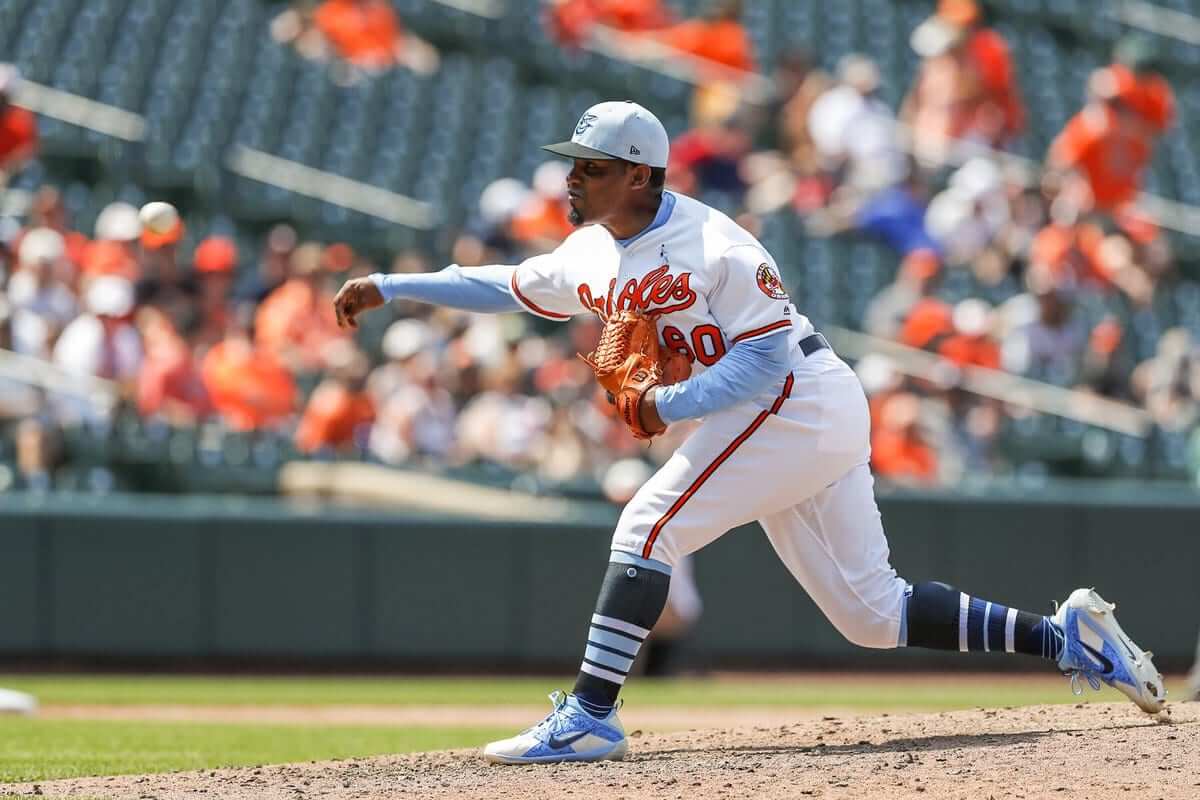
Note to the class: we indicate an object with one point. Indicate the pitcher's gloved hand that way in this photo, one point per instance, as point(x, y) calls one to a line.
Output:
point(629, 363)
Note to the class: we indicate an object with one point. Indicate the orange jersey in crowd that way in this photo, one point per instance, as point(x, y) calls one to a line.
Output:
point(1072, 252)
point(723, 41)
point(103, 257)
point(895, 454)
point(169, 378)
point(1148, 94)
point(1110, 159)
point(571, 20)
point(363, 33)
point(249, 388)
point(993, 64)
point(18, 134)
point(297, 316)
point(543, 219)
point(928, 320)
point(971, 351)
point(333, 414)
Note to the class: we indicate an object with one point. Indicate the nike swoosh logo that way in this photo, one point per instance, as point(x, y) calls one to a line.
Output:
point(555, 742)
point(1103, 659)
point(1128, 649)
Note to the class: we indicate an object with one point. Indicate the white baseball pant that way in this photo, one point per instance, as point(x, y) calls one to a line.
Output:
point(797, 463)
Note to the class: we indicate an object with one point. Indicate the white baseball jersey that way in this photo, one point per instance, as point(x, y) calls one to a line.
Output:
point(711, 283)
point(795, 459)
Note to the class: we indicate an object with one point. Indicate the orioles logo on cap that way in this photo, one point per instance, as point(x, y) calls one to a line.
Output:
point(769, 282)
point(585, 122)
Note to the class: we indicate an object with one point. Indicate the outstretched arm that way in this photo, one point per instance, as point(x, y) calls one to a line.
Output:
point(472, 289)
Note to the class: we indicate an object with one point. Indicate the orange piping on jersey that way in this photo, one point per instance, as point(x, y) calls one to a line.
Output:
point(783, 323)
point(711, 468)
point(532, 306)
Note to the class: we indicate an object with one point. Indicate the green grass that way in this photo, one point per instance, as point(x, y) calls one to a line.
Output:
point(33, 749)
point(918, 692)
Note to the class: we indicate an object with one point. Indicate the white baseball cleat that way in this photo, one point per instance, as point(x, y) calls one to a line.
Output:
point(1097, 649)
point(568, 733)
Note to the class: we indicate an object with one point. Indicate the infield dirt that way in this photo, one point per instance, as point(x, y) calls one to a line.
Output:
point(1095, 751)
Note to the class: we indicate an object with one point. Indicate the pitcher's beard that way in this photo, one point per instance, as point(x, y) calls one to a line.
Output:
point(574, 217)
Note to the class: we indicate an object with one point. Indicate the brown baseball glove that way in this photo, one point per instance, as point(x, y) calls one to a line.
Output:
point(629, 362)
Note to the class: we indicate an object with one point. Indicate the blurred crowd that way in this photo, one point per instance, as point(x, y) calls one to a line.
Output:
point(1057, 257)
point(716, 38)
point(359, 36)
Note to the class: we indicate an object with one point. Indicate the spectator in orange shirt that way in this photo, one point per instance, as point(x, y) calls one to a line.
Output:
point(1070, 247)
point(928, 324)
point(570, 21)
point(718, 37)
point(541, 222)
point(971, 344)
point(248, 386)
point(215, 262)
point(364, 32)
point(338, 409)
point(296, 322)
point(114, 250)
point(965, 88)
point(18, 126)
point(1103, 150)
point(169, 383)
point(899, 451)
point(1106, 146)
point(368, 34)
point(1134, 76)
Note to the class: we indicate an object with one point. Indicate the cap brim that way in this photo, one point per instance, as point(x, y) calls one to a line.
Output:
point(574, 150)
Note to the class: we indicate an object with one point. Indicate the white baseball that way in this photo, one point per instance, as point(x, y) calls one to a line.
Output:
point(158, 217)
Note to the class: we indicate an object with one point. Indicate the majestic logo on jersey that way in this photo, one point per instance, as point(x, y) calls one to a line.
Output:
point(658, 291)
point(585, 122)
point(768, 281)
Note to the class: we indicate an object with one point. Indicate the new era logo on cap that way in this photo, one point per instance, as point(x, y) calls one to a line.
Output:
point(617, 129)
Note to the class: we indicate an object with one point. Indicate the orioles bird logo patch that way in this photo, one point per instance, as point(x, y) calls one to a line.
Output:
point(585, 122)
point(769, 282)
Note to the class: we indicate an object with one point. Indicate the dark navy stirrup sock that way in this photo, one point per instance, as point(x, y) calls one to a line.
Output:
point(632, 597)
point(943, 618)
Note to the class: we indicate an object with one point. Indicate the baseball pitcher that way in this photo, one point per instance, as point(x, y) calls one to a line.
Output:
point(698, 325)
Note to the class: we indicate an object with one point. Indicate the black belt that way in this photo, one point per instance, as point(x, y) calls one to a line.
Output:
point(812, 343)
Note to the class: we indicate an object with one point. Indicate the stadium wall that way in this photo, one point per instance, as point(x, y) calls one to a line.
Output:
point(214, 580)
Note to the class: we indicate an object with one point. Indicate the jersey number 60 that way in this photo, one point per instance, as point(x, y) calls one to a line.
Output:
point(707, 345)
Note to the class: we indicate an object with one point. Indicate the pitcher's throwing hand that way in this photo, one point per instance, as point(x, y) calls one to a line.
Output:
point(356, 296)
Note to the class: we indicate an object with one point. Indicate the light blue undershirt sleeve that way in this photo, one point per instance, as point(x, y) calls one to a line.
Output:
point(473, 289)
point(748, 369)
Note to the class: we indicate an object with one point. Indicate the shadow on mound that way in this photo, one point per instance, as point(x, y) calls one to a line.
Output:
point(908, 744)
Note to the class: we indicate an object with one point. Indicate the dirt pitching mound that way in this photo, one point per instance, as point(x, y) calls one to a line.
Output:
point(1095, 751)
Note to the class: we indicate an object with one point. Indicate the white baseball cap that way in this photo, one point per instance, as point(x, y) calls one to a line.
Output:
point(110, 296)
point(617, 129)
point(41, 246)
